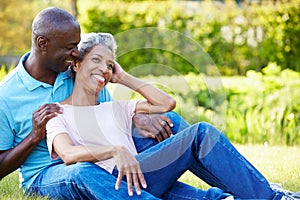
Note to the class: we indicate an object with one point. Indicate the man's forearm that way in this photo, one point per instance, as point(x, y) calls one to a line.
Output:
point(12, 159)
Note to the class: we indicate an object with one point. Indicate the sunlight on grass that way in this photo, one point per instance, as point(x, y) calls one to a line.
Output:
point(277, 164)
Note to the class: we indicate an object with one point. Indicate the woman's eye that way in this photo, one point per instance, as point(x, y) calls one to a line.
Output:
point(96, 60)
point(110, 66)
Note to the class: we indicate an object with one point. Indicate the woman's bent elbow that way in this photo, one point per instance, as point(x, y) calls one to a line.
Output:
point(171, 104)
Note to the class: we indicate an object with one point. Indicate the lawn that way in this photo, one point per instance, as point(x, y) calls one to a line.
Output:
point(278, 164)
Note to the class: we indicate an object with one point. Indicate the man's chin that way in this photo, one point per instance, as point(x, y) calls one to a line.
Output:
point(67, 66)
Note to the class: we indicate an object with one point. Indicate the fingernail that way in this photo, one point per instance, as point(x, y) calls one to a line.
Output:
point(116, 187)
point(144, 185)
point(171, 125)
point(130, 193)
point(138, 192)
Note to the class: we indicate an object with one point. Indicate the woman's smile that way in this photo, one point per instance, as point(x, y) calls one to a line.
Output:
point(100, 79)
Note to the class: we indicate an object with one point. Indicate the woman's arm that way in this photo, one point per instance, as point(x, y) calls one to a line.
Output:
point(125, 161)
point(70, 153)
point(157, 100)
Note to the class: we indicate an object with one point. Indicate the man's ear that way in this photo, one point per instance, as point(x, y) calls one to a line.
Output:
point(42, 42)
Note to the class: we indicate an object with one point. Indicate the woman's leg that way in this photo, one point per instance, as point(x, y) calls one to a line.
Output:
point(183, 191)
point(178, 190)
point(80, 181)
point(199, 147)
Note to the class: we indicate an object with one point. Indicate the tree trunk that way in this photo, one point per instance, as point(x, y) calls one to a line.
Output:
point(74, 9)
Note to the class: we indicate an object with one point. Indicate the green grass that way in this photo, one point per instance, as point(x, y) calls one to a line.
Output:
point(278, 164)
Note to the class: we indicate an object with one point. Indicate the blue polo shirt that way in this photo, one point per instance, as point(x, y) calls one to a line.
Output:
point(20, 96)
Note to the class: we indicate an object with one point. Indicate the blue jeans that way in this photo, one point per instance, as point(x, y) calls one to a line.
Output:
point(207, 153)
point(209, 157)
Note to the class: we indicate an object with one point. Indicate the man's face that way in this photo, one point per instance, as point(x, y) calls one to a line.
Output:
point(62, 49)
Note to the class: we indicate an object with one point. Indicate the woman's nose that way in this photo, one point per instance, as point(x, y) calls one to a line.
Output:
point(103, 68)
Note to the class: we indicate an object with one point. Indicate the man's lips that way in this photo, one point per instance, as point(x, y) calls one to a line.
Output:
point(69, 62)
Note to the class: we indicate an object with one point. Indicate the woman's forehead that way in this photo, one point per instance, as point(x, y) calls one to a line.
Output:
point(102, 50)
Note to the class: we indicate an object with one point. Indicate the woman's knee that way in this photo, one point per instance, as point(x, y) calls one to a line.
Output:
point(179, 123)
point(207, 137)
point(208, 130)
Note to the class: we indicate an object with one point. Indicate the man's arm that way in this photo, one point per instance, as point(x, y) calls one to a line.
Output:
point(12, 159)
point(156, 126)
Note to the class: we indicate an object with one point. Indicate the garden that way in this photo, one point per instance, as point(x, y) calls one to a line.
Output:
point(236, 66)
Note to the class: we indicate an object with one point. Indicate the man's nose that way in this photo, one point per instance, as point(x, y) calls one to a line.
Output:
point(75, 52)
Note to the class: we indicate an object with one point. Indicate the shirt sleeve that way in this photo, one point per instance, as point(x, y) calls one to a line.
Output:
point(54, 127)
point(127, 109)
point(104, 96)
point(6, 128)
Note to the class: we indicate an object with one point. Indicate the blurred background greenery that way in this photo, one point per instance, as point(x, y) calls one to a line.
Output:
point(252, 46)
point(238, 35)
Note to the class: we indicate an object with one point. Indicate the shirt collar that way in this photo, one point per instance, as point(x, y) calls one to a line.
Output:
point(31, 83)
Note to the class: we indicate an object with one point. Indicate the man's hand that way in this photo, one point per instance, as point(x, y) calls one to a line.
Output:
point(128, 166)
point(11, 159)
point(155, 126)
point(41, 116)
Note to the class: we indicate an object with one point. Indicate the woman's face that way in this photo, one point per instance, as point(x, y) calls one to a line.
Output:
point(96, 68)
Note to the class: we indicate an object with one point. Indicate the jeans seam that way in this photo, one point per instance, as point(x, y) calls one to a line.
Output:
point(186, 197)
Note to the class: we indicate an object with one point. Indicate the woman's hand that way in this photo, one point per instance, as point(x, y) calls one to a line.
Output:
point(128, 165)
point(118, 72)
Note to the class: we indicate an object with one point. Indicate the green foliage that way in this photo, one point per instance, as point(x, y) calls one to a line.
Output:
point(237, 38)
point(3, 72)
point(258, 108)
point(15, 24)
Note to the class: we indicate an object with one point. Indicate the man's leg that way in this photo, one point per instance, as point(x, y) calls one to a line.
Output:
point(202, 146)
point(80, 181)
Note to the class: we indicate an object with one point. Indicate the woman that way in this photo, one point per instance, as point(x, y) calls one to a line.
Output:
point(101, 133)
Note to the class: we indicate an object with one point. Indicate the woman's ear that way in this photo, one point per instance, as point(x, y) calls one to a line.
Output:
point(75, 66)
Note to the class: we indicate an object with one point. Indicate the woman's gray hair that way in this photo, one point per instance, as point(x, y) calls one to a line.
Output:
point(89, 40)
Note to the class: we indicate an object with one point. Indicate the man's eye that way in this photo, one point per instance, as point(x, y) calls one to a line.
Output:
point(71, 48)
